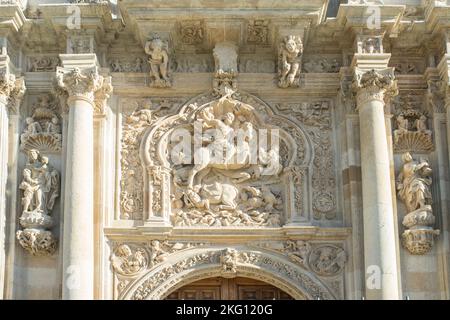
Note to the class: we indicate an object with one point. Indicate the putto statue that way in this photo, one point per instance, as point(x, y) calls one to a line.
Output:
point(289, 61)
point(40, 186)
point(414, 189)
point(158, 52)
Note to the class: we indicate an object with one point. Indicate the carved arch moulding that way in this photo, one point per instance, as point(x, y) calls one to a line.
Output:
point(195, 262)
point(171, 176)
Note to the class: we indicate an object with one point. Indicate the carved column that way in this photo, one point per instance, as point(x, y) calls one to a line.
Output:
point(379, 228)
point(444, 71)
point(11, 91)
point(80, 85)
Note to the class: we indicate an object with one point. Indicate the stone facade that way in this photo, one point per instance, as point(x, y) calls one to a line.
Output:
point(108, 192)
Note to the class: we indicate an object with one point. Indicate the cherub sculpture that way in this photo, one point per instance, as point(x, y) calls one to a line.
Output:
point(157, 50)
point(289, 64)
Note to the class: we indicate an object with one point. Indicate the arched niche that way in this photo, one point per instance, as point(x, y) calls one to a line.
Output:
point(190, 265)
point(181, 191)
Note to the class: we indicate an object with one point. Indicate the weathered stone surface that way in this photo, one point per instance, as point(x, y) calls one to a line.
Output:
point(301, 145)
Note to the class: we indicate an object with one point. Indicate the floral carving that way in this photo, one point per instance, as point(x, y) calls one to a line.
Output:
point(316, 117)
point(374, 85)
point(227, 262)
point(77, 82)
point(144, 114)
point(258, 32)
point(12, 88)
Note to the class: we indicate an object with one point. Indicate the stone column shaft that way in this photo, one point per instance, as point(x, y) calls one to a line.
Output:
point(379, 228)
point(3, 181)
point(11, 92)
point(78, 235)
point(78, 246)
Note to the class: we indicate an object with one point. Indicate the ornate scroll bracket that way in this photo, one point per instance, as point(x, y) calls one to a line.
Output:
point(40, 185)
point(414, 189)
point(374, 85)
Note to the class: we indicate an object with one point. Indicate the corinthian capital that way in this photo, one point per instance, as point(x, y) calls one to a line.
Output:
point(374, 85)
point(77, 83)
point(11, 88)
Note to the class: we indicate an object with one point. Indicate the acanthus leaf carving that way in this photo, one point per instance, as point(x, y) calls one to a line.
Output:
point(79, 82)
point(374, 85)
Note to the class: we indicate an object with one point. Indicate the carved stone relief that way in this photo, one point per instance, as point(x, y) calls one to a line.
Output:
point(289, 61)
point(316, 117)
point(158, 51)
point(367, 44)
point(197, 63)
point(228, 262)
point(132, 64)
point(192, 32)
point(40, 185)
point(207, 192)
point(129, 260)
point(42, 63)
point(81, 44)
point(138, 115)
point(43, 128)
point(414, 189)
point(411, 131)
point(321, 64)
point(249, 64)
point(258, 32)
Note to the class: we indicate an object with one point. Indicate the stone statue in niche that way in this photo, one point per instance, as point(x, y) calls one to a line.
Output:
point(43, 129)
point(40, 185)
point(158, 52)
point(289, 61)
point(414, 189)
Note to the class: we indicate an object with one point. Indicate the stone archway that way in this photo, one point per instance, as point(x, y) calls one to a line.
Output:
point(220, 288)
point(199, 263)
